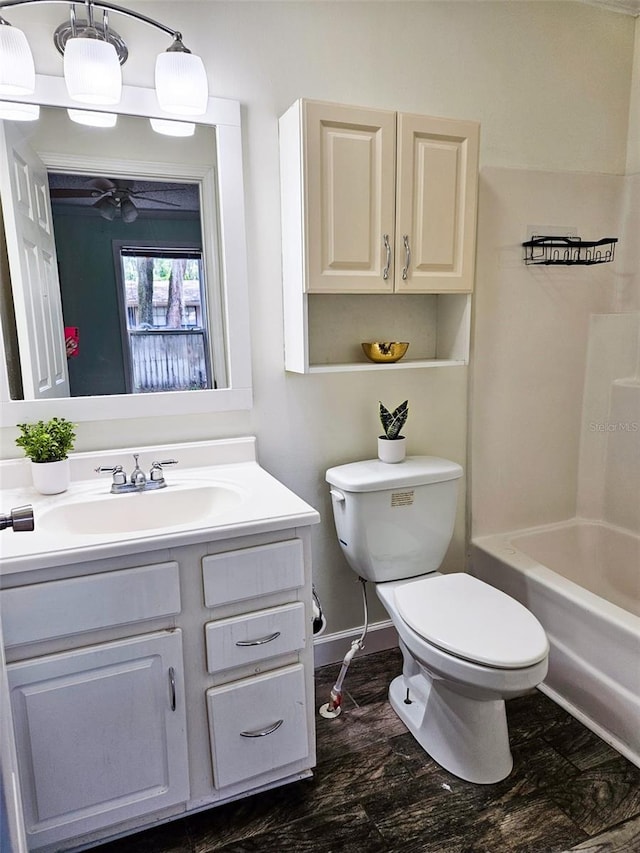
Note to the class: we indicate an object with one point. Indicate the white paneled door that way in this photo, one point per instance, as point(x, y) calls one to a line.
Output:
point(26, 208)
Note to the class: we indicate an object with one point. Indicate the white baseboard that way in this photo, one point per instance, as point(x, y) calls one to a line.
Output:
point(331, 648)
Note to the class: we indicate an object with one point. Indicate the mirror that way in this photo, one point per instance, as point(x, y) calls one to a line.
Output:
point(123, 170)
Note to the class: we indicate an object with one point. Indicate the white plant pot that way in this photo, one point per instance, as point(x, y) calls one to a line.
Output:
point(51, 478)
point(391, 449)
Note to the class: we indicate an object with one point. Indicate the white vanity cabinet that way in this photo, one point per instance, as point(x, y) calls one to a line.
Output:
point(156, 672)
point(148, 686)
point(100, 728)
point(375, 202)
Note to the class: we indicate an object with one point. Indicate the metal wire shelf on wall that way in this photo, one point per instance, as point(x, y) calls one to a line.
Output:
point(569, 250)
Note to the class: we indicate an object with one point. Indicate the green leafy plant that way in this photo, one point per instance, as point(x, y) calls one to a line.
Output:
point(47, 441)
point(392, 422)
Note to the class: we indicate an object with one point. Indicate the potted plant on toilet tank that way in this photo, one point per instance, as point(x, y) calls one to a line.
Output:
point(392, 445)
point(47, 444)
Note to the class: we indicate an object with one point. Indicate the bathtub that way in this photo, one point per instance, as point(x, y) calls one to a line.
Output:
point(582, 581)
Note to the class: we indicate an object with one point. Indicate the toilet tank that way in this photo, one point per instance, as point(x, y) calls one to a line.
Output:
point(395, 521)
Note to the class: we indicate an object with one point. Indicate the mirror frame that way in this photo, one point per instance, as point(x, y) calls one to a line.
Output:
point(224, 116)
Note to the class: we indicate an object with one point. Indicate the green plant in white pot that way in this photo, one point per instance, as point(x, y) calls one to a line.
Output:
point(47, 444)
point(392, 445)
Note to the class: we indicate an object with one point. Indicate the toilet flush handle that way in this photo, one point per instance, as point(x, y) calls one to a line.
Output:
point(336, 494)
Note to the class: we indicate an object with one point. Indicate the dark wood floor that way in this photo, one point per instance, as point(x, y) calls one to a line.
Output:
point(375, 790)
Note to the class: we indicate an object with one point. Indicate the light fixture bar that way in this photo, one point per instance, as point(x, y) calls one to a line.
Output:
point(93, 54)
point(7, 4)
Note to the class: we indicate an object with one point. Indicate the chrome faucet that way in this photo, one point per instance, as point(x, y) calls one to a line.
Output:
point(138, 477)
point(20, 518)
point(138, 481)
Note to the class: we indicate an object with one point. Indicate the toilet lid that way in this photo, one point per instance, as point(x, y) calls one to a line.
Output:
point(472, 620)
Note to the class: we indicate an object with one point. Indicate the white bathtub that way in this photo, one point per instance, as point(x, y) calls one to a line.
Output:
point(582, 581)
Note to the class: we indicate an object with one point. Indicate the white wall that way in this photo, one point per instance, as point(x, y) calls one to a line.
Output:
point(550, 84)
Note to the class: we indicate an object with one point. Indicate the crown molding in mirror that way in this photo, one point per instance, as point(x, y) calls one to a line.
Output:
point(225, 116)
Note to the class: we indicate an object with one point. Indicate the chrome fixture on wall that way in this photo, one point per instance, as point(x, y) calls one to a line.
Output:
point(569, 251)
point(93, 54)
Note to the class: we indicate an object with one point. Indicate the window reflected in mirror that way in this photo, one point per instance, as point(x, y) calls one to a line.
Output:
point(163, 322)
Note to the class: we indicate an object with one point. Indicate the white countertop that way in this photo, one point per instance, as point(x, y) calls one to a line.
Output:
point(263, 504)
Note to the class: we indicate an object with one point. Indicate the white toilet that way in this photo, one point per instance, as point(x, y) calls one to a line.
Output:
point(466, 646)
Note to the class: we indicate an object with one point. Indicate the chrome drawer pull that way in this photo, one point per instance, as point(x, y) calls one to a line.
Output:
point(263, 732)
point(259, 642)
point(407, 257)
point(387, 266)
point(172, 687)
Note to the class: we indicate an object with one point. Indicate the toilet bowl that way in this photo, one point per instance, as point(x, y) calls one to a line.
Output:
point(466, 646)
point(458, 672)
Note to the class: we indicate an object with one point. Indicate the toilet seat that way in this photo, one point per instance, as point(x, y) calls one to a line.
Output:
point(472, 620)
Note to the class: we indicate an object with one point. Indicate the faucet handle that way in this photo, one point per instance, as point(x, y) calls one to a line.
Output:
point(156, 469)
point(119, 477)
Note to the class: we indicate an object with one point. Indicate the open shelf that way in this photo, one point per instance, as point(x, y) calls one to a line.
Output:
point(326, 332)
point(398, 365)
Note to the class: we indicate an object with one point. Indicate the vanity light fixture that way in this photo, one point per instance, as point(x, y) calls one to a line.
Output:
point(14, 111)
point(167, 127)
point(93, 55)
point(92, 119)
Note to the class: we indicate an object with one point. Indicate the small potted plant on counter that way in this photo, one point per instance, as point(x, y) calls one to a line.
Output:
point(47, 444)
point(392, 445)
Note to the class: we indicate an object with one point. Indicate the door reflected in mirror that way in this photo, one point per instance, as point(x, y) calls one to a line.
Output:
point(115, 275)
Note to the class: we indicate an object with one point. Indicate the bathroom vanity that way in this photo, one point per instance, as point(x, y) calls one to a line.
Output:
point(158, 645)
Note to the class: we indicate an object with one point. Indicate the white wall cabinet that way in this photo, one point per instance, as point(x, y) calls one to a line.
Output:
point(376, 202)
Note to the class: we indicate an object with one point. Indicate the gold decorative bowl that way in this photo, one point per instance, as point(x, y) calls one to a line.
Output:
point(385, 352)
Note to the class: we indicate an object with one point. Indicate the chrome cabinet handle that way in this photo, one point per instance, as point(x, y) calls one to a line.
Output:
point(387, 246)
point(407, 257)
point(172, 687)
point(263, 732)
point(260, 642)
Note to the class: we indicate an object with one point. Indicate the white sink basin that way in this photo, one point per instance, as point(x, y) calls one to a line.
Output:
point(129, 513)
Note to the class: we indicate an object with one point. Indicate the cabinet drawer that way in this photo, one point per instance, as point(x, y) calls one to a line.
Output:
point(257, 725)
point(252, 572)
point(255, 636)
point(60, 608)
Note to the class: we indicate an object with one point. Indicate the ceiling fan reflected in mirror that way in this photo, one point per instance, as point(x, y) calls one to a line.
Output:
point(111, 197)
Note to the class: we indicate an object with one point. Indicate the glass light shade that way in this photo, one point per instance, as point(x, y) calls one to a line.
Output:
point(181, 83)
point(172, 128)
point(19, 112)
point(92, 71)
point(93, 119)
point(17, 71)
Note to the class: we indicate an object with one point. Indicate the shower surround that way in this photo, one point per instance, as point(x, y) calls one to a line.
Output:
point(555, 435)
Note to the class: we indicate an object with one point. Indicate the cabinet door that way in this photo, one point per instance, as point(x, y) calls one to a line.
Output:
point(436, 204)
point(100, 735)
point(350, 178)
